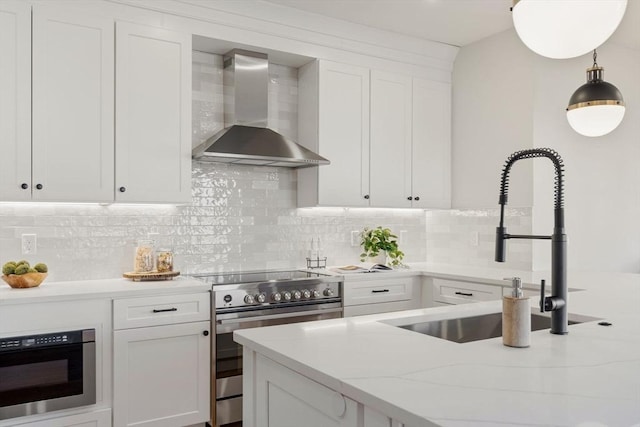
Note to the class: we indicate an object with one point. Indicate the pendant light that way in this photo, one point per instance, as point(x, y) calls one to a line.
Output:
point(595, 108)
point(566, 28)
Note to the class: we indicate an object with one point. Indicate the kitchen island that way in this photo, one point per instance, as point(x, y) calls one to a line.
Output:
point(365, 371)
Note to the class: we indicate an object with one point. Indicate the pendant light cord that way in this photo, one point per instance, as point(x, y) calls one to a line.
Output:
point(595, 57)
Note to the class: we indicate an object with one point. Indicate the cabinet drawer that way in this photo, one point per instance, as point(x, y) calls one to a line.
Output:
point(378, 291)
point(160, 310)
point(455, 292)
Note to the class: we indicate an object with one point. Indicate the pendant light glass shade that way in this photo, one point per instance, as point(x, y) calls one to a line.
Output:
point(566, 28)
point(597, 107)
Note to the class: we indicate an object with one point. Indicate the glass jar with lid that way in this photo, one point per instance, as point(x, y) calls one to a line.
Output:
point(164, 260)
point(144, 258)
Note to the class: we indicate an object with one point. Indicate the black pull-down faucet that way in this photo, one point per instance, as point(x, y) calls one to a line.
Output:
point(557, 302)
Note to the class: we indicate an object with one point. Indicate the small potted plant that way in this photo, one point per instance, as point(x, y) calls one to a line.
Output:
point(380, 241)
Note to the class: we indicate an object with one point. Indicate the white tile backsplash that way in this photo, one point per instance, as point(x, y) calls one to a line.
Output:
point(467, 237)
point(241, 218)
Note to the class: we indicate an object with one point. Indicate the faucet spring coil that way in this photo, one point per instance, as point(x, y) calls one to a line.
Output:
point(558, 188)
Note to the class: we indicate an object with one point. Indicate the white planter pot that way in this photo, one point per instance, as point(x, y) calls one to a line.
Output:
point(380, 259)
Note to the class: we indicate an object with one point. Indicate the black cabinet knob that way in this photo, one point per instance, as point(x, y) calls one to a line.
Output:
point(417, 198)
point(122, 189)
point(39, 186)
point(409, 198)
point(366, 196)
point(205, 333)
point(24, 186)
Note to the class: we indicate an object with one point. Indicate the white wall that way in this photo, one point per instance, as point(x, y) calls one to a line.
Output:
point(602, 174)
point(492, 109)
point(531, 93)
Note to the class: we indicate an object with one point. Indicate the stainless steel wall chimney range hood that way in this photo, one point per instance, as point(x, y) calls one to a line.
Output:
point(248, 140)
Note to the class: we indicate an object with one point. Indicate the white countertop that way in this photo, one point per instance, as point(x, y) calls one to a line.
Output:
point(590, 377)
point(91, 289)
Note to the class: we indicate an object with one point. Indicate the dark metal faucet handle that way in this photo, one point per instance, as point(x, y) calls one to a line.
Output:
point(542, 283)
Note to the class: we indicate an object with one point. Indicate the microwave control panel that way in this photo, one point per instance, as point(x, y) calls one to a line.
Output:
point(46, 340)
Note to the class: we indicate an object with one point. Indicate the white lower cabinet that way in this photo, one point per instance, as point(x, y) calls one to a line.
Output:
point(162, 373)
point(380, 294)
point(458, 292)
point(286, 399)
point(90, 419)
point(276, 396)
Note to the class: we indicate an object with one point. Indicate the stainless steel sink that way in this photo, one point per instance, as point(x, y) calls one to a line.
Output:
point(467, 329)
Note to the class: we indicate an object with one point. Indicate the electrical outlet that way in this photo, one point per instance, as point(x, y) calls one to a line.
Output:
point(402, 237)
point(355, 238)
point(29, 244)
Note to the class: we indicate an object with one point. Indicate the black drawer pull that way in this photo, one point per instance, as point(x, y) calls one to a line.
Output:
point(379, 291)
point(464, 294)
point(163, 310)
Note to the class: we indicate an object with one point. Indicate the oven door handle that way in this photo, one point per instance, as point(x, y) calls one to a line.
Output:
point(277, 316)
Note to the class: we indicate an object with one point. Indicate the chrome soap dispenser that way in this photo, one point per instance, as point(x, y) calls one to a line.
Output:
point(516, 317)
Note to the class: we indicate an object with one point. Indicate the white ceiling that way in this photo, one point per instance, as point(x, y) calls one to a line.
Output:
point(454, 22)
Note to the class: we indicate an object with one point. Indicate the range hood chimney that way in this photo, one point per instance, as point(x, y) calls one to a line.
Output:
point(246, 138)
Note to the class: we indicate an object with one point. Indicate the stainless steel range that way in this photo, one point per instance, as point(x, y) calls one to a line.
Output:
point(255, 299)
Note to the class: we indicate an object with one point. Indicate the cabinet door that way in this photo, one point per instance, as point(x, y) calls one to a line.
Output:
point(390, 140)
point(15, 100)
point(153, 114)
point(285, 398)
point(72, 106)
point(431, 158)
point(161, 375)
point(343, 134)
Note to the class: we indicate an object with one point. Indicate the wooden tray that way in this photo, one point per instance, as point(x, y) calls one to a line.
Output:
point(152, 275)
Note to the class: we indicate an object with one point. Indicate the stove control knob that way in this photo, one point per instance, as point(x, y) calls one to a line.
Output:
point(296, 294)
point(328, 292)
point(276, 296)
point(261, 298)
point(315, 293)
point(286, 296)
point(249, 299)
point(306, 294)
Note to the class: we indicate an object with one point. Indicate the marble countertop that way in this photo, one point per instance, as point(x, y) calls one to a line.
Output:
point(92, 289)
point(590, 377)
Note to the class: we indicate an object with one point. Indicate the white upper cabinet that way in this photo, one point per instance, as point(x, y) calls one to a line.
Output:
point(390, 160)
point(334, 121)
point(387, 136)
point(15, 100)
point(73, 83)
point(153, 114)
point(59, 138)
point(431, 147)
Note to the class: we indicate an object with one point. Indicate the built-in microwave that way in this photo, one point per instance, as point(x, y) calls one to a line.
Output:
point(47, 372)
